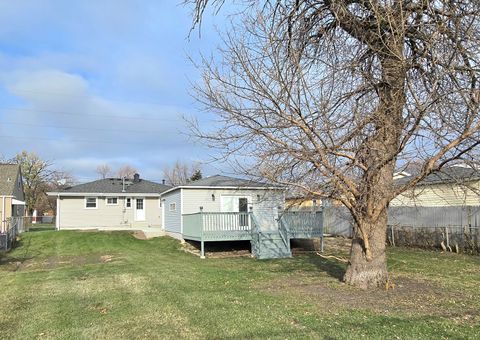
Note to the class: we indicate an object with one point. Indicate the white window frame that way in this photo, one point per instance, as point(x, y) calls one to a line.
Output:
point(174, 205)
point(131, 200)
point(96, 203)
point(107, 198)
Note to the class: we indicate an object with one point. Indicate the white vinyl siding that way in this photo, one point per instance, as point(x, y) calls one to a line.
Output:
point(231, 203)
point(73, 214)
point(440, 195)
point(265, 203)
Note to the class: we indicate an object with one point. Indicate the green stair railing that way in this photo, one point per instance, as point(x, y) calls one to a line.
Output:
point(284, 233)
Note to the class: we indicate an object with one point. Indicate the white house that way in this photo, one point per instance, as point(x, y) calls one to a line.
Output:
point(111, 203)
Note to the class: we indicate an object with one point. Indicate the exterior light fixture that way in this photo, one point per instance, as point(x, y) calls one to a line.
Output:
point(213, 197)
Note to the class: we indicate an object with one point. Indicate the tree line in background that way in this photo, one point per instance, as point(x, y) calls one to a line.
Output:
point(178, 174)
point(182, 173)
point(39, 177)
point(106, 171)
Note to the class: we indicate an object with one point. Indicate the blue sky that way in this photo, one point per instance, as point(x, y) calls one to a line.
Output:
point(84, 83)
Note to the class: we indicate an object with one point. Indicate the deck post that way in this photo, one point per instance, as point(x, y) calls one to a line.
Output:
point(202, 249)
point(202, 243)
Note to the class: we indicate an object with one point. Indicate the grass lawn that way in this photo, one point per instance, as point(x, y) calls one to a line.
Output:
point(41, 226)
point(74, 285)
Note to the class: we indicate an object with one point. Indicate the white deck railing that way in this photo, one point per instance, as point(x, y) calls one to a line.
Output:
point(217, 226)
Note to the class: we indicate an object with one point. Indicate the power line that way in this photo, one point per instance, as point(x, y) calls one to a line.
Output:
point(73, 140)
point(78, 128)
point(89, 115)
point(63, 94)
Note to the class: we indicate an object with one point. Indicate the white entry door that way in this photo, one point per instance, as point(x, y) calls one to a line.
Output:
point(139, 209)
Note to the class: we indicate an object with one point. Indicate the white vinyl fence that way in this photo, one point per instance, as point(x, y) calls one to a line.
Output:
point(449, 228)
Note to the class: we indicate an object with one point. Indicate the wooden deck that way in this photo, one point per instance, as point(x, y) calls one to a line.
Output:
point(207, 226)
point(236, 226)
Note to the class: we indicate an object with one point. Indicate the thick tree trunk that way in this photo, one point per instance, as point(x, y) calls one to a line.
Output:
point(368, 262)
point(367, 267)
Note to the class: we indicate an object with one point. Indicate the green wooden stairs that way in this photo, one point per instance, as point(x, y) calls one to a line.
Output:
point(270, 245)
point(273, 244)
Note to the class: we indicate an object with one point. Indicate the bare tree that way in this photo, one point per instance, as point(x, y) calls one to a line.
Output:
point(56, 182)
point(126, 171)
point(35, 173)
point(104, 170)
point(182, 173)
point(331, 96)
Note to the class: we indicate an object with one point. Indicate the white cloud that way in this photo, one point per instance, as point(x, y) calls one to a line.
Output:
point(83, 83)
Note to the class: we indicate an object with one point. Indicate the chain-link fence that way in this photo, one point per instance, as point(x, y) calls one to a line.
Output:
point(449, 238)
point(11, 228)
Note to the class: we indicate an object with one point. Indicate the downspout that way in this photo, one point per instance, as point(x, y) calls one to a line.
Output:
point(3, 214)
point(57, 219)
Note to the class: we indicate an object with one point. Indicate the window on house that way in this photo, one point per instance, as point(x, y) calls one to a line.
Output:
point(112, 200)
point(173, 206)
point(90, 202)
point(128, 202)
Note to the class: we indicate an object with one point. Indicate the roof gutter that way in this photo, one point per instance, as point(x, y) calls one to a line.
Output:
point(221, 187)
point(108, 194)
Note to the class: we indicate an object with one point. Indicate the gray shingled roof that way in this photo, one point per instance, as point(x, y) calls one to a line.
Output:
point(8, 177)
point(225, 181)
point(447, 175)
point(114, 186)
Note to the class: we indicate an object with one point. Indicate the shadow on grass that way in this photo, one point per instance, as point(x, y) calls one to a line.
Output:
point(41, 227)
point(331, 267)
point(312, 263)
point(7, 259)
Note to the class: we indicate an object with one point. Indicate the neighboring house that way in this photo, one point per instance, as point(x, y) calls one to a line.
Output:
point(302, 203)
point(447, 197)
point(12, 197)
point(111, 203)
point(453, 186)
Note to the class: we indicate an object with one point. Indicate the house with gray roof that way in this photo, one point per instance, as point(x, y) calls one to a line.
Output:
point(111, 203)
point(12, 197)
point(453, 186)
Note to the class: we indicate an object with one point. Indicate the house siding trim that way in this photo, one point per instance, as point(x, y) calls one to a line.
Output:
point(213, 187)
point(181, 210)
point(57, 217)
